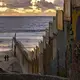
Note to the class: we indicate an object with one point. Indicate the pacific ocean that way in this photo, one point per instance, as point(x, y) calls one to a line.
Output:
point(29, 30)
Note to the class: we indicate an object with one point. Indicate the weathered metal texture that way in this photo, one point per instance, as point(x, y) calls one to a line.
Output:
point(21, 47)
point(67, 10)
point(75, 3)
point(75, 74)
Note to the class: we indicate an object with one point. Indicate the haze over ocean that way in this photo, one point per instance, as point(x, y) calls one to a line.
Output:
point(28, 29)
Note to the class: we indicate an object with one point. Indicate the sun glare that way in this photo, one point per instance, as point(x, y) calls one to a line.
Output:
point(50, 1)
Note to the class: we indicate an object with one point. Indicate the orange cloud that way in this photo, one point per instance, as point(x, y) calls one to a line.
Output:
point(33, 8)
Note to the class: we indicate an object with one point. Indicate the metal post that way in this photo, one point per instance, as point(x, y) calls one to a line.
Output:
point(77, 57)
point(15, 45)
point(12, 45)
point(57, 62)
point(66, 62)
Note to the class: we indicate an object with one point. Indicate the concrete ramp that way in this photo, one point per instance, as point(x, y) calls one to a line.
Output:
point(10, 66)
point(29, 77)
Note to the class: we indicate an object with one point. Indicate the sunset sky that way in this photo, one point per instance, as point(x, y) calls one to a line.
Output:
point(26, 3)
point(32, 7)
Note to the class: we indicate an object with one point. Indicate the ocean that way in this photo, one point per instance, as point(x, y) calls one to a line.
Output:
point(29, 30)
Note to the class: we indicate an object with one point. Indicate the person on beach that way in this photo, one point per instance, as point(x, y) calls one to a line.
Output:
point(7, 57)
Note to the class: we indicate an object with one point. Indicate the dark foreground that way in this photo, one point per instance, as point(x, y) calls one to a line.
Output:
point(28, 77)
point(7, 76)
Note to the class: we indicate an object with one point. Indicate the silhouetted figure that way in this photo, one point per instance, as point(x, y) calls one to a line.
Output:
point(7, 57)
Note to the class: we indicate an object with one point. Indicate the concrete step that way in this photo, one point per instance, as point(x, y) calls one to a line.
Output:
point(28, 77)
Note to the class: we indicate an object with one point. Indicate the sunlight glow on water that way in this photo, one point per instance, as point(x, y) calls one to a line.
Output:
point(30, 38)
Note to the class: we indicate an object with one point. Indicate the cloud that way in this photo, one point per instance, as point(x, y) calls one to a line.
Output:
point(46, 5)
point(18, 3)
point(49, 5)
point(59, 2)
point(26, 3)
